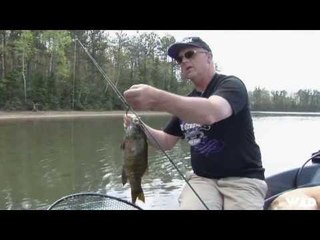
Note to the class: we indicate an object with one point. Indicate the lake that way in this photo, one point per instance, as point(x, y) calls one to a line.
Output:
point(42, 160)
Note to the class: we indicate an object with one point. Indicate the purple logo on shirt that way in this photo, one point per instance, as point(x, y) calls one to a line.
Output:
point(207, 146)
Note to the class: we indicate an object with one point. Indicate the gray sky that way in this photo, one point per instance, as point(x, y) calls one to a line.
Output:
point(273, 59)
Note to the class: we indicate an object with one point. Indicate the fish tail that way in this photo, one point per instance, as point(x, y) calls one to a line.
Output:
point(141, 196)
point(137, 193)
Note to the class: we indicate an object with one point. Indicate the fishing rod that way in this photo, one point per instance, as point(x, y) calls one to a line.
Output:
point(129, 108)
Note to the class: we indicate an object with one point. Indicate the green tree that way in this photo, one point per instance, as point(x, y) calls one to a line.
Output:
point(24, 47)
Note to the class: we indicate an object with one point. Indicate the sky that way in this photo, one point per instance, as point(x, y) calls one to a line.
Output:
point(270, 59)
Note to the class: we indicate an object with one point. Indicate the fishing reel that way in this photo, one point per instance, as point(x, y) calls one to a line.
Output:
point(315, 157)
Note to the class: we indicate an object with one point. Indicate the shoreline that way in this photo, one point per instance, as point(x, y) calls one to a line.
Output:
point(20, 115)
point(68, 114)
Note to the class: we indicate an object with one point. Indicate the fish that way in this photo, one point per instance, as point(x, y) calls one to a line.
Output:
point(135, 158)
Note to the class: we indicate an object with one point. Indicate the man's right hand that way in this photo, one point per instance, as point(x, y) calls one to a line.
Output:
point(143, 97)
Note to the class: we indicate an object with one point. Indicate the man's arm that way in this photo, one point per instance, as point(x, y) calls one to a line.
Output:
point(159, 137)
point(190, 109)
point(194, 109)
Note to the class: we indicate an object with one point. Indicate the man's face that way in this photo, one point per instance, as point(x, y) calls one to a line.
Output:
point(192, 61)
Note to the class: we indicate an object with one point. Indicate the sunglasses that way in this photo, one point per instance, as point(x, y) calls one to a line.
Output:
point(189, 54)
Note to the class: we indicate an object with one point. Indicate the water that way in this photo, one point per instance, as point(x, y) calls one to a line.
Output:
point(42, 160)
point(286, 141)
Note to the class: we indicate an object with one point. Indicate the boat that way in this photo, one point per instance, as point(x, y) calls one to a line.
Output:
point(302, 177)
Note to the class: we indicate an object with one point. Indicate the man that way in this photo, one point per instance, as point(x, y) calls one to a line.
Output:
point(216, 121)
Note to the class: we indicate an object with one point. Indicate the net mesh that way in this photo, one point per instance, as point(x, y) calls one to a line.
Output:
point(92, 201)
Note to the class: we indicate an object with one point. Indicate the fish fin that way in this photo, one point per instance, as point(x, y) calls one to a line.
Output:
point(141, 197)
point(124, 177)
point(137, 194)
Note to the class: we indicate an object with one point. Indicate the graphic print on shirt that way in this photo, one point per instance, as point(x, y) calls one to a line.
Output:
point(197, 136)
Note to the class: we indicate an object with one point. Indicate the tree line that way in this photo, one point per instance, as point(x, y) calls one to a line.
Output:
point(304, 100)
point(50, 70)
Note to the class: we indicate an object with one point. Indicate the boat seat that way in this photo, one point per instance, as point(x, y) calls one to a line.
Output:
point(269, 200)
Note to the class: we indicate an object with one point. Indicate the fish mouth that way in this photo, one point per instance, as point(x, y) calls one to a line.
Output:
point(135, 120)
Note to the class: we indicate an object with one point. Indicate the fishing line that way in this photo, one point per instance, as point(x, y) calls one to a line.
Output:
point(105, 75)
point(143, 125)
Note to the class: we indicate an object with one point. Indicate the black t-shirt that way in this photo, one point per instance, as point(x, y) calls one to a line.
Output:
point(226, 148)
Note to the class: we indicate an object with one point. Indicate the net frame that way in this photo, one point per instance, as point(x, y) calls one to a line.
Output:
point(107, 200)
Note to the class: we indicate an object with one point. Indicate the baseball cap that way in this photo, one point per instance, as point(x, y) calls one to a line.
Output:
point(175, 48)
